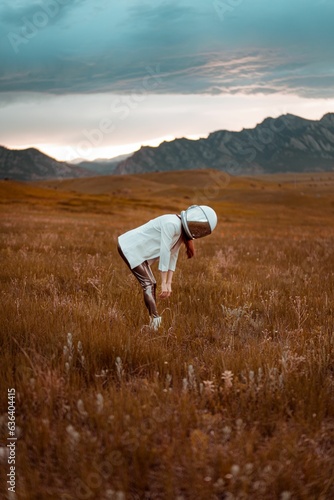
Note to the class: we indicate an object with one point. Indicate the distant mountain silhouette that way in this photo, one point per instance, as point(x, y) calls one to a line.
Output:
point(102, 166)
point(31, 165)
point(277, 145)
point(284, 144)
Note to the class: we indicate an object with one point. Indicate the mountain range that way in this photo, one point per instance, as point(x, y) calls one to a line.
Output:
point(102, 166)
point(284, 144)
point(30, 165)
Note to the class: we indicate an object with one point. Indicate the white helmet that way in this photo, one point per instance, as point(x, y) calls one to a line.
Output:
point(198, 221)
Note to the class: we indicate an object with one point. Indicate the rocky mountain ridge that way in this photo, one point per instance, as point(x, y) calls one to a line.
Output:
point(32, 165)
point(284, 144)
point(277, 145)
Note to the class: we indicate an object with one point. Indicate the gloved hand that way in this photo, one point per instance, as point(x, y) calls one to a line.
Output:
point(155, 322)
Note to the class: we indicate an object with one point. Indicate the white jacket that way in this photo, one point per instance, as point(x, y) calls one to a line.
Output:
point(160, 238)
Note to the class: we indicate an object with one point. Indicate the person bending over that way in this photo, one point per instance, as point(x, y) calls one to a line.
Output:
point(160, 239)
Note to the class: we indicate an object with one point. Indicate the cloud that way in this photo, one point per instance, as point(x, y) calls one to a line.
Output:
point(101, 46)
point(104, 125)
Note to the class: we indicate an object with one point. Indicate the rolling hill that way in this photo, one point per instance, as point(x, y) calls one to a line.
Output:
point(261, 200)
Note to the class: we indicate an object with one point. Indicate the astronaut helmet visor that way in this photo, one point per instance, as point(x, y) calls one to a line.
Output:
point(195, 222)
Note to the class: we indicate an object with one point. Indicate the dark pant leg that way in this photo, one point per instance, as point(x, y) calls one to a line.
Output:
point(144, 275)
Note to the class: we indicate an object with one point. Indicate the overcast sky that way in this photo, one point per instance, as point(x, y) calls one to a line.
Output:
point(98, 78)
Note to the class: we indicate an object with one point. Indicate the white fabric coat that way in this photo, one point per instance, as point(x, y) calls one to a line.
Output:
point(160, 238)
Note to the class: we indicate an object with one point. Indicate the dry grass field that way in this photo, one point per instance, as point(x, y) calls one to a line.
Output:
point(232, 399)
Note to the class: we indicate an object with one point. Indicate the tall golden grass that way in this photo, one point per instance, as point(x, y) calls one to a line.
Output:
point(232, 399)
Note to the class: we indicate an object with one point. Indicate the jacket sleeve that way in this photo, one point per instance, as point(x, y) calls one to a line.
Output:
point(173, 260)
point(168, 231)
